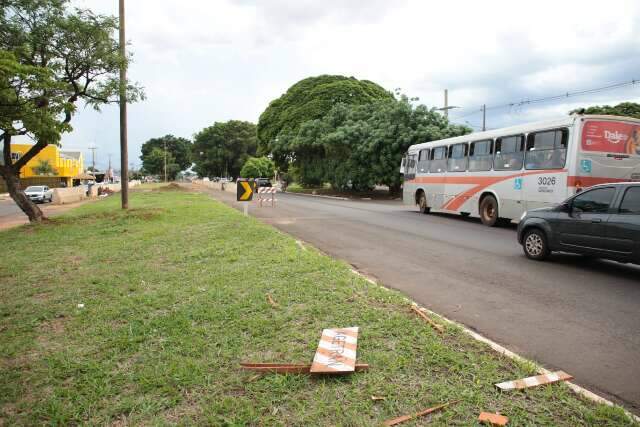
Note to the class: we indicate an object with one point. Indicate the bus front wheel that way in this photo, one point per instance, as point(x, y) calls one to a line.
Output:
point(489, 211)
point(422, 203)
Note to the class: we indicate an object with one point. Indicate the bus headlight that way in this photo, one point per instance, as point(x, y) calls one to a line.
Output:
point(523, 215)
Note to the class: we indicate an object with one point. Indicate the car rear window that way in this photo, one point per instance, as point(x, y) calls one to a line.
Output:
point(631, 201)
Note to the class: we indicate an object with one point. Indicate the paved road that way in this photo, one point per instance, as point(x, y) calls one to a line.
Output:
point(569, 313)
point(11, 215)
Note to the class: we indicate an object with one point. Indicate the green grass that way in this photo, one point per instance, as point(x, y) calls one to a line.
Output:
point(174, 298)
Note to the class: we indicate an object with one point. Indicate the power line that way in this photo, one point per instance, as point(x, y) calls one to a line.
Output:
point(551, 98)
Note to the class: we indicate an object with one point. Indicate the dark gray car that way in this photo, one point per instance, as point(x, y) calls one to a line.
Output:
point(602, 221)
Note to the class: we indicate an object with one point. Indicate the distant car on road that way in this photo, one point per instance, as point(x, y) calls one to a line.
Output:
point(602, 221)
point(39, 193)
point(263, 182)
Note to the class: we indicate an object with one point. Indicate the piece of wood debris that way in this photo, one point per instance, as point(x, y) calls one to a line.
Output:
point(301, 245)
point(493, 419)
point(535, 381)
point(254, 377)
point(377, 398)
point(402, 419)
point(289, 368)
point(271, 301)
point(419, 312)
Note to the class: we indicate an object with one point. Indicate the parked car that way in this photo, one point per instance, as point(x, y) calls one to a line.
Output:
point(39, 193)
point(602, 221)
point(263, 182)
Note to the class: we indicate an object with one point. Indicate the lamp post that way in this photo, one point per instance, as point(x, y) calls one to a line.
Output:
point(124, 172)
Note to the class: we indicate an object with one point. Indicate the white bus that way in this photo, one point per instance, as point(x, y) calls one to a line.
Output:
point(498, 175)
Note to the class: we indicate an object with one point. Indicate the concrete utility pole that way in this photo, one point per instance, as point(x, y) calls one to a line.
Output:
point(93, 157)
point(124, 172)
point(484, 117)
point(446, 107)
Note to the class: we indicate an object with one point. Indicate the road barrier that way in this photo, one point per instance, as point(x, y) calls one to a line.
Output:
point(263, 195)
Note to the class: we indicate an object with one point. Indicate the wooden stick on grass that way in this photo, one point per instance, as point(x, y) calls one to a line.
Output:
point(271, 301)
point(435, 326)
point(399, 420)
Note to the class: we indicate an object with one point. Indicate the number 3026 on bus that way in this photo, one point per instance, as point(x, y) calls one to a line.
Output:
point(547, 180)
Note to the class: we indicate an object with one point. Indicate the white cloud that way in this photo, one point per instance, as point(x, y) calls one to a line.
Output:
point(206, 61)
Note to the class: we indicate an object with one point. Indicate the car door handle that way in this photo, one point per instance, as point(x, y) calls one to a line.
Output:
point(596, 220)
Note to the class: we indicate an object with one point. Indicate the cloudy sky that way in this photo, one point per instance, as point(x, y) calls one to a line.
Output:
point(215, 60)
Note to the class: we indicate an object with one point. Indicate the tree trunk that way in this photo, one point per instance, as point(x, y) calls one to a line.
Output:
point(17, 194)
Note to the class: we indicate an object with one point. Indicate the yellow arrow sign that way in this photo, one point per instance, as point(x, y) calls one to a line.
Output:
point(247, 193)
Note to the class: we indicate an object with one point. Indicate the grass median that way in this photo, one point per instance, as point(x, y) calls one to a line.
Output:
point(142, 317)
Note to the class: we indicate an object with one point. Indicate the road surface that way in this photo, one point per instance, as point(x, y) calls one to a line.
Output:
point(570, 313)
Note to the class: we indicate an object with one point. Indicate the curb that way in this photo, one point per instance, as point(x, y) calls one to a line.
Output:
point(316, 195)
point(579, 390)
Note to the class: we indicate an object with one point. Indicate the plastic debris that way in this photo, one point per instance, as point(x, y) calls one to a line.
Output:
point(377, 398)
point(336, 351)
point(80, 305)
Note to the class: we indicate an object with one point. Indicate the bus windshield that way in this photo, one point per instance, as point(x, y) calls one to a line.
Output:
point(611, 137)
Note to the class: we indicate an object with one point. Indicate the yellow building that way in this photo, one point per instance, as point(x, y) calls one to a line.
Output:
point(65, 165)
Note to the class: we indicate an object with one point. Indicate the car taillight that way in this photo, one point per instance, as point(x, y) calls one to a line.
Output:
point(578, 186)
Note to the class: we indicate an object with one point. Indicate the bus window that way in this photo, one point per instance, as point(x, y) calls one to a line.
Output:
point(547, 149)
point(457, 158)
point(481, 155)
point(438, 161)
point(423, 161)
point(509, 153)
point(410, 168)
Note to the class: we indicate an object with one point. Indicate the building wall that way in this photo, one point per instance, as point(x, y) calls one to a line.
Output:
point(64, 168)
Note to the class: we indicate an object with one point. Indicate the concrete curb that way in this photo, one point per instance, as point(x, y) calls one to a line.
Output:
point(511, 355)
point(316, 195)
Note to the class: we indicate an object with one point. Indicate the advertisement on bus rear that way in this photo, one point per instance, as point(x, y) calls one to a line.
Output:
point(611, 137)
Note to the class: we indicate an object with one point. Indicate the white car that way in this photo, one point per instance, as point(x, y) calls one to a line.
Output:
point(39, 193)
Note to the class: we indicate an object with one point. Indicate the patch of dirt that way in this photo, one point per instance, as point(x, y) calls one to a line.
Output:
point(50, 332)
point(171, 187)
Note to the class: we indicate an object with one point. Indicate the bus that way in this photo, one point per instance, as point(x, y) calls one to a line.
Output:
point(499, 174)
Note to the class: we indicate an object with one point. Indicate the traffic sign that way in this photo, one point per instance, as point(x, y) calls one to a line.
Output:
point(245, 191)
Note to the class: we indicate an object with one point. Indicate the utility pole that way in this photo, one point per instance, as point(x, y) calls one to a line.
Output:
point(124, 172)
point(484, 117)
point(446, 107)
point(93, 157)
point(165, 160)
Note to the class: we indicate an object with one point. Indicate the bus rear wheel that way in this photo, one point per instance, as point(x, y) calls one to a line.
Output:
point(489, 211)
point(422, 203)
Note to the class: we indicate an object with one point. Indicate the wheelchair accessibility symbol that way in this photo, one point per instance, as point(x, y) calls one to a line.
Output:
point(517, 184)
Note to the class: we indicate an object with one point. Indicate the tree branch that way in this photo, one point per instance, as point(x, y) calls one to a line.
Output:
point(33, 151)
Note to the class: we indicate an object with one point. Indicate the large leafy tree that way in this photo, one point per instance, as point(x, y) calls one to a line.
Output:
point(308, 99)
point(363, 145)
point(258, 167)
point(51, 58)
point(222, 149)
point(178, 152)
point(629, 109)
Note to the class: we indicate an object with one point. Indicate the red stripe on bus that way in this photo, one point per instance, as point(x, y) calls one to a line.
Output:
point(588, 181)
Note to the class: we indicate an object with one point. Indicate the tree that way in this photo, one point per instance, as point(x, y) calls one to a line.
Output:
point(628, 109)
point(257, 167)
point(155, 161)
point(308, 99)
point(50, 59)
point(363, 145)
point(222, 149)
point(178, 149)
point(44, 168)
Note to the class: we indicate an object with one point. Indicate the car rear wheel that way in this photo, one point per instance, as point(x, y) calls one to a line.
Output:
point(534, 244)
point(422, 203)
point(489, 211)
